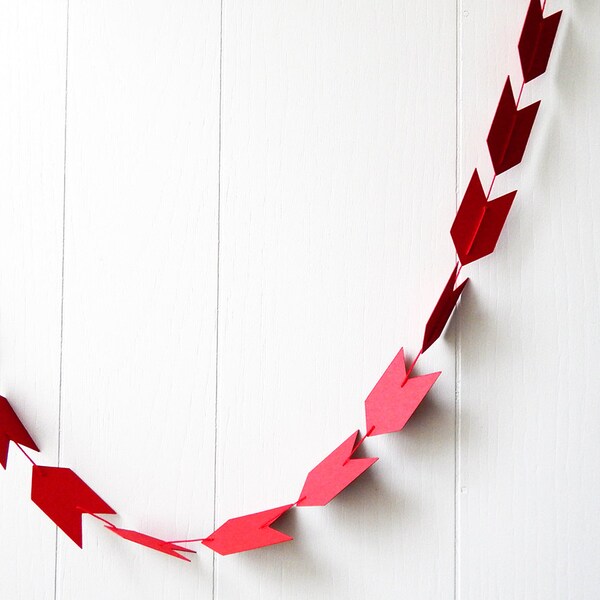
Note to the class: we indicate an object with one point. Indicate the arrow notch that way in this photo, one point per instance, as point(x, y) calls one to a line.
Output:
point(12, 430)
point(395, 398)
point(248, 532)
point(537, 39)
point(334, 474)
point(510, 131)
point(478, 223)
point(64, 497)
point(157, 544)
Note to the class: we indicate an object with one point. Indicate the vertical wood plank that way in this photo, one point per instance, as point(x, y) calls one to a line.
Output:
point(529, 449)
point(338, 179)
point(139, 292)
point(32, 72)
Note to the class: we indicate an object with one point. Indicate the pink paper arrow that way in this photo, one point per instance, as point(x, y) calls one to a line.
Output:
point(443, 309)
point(537, 39)
point(12, 430)
point(510, 131)
point(151, 542)
point(395, 398)
point(334, 474)
point(64, 497)
point(248, 532)
point(478, 223)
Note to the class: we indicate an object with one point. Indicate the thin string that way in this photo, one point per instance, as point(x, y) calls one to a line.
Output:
point(27, 455)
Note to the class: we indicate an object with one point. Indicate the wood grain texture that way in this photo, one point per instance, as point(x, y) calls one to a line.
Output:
point(258, 202)
point(528, 476)
point(32, 94)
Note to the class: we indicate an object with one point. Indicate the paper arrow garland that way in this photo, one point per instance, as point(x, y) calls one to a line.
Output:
point(395, 398)
point(537, 39)
point(12, 430)
point(64, 497)
point(151, 542)
point(443, 309)
point(510, 131)
point(248, 532)
point(478, 223)
point(334, 474)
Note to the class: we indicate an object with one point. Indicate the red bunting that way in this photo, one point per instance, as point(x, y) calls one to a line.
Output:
point(478, 223)
point(334, 474)
point(12, 430)
point(537, 39)
point(248, 532)
point(443, 309)
point(64, 497)
point(510, 131)
point(395, 398)
point(151, 542)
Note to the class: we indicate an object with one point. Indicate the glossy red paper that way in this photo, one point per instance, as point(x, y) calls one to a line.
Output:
point(151, 542)
point(478, 223)
point(537, 39)
point(443, 309)
point(510, 131)
point(391, 404)
point(64, 497)
point(248, 532)
point(12, 430)
point(334, 474)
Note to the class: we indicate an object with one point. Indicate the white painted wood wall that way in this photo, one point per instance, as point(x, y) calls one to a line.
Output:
point(218, 224)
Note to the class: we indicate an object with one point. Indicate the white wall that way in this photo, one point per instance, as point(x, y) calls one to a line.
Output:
point(217, 227)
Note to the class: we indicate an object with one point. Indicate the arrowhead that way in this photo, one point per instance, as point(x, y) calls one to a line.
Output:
point(478, 223)
point(390, 404)
point(248, 532)
point(510, 131)
point(151, 542)
point(64, 497)
point(12, 430)
point(443, 309)
point(334, 474)
point(537, 39)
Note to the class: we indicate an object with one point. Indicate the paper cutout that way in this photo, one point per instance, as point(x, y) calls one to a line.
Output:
point(248, 532)
point(151, 542)
point(64, 497)
point(510, 131)
point(537, 39)
point(334, 474)
point(478, 223)
point(443, 309)
point(12, 430)
point(390, 404)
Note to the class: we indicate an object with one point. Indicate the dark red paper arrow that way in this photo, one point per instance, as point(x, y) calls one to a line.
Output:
point(478, 223)
point(334, 474)
point(510, 131)
point(537, 39)
point(394, 398)
point(443, 309)
point(12, 430)
point(64, 497)
point(151, 542)
point(248, 532)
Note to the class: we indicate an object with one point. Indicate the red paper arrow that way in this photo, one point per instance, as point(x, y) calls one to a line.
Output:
point(151, 542)
point(394, 398)
point(248, 532)
point(334, 474)
point(443, 309)
point(478, 223)
point(12, 430)
point(510, 131)
point(537, 39)
point(64, 497)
